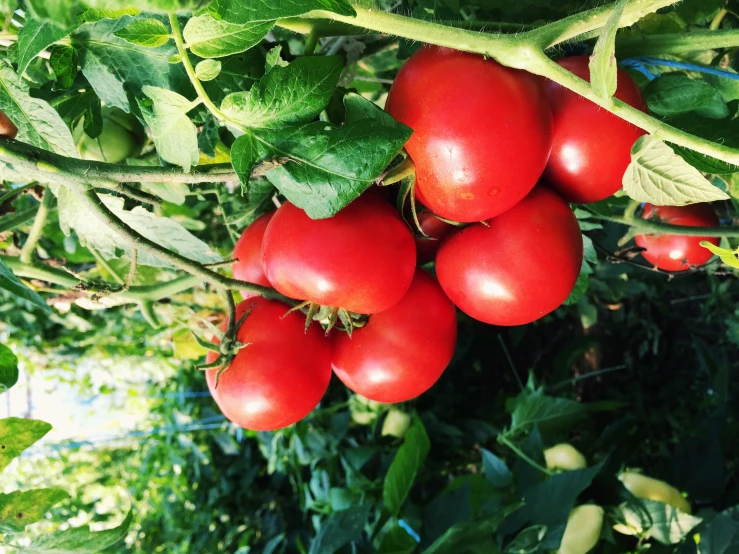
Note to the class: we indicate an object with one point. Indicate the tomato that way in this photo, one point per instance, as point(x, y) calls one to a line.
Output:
point(280, 376)
point(564, 456)
point(591, 147)
point(678, 252)
point(435, 230)
point(362, 259)
point(116, 142)
point(248, 252)
point(7, 127)
point(583, 530)
point(481, 131)
point(645, 487)
point(519, 267)
point(401, 352)
point(396, 424)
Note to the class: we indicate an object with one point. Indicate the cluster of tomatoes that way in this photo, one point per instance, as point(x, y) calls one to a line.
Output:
point(484, 137)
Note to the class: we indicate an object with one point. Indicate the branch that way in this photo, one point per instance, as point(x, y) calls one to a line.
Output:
point(677, 43)
point(34, 234)
point(659, 227)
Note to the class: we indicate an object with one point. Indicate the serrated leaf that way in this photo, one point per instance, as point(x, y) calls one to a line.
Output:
point(74, 215)
point(603, 69)
point(78, 540)
point(144, 32)
point(357, 108)
point(286, 95)
point(63, 61)
point(17, 434)
point(249, 11)
point(8, 368)
point(243, 156)
point(208, 37)
point(330, 166)
point(207, 70)
point(729, 257)
point(674, 94)
point(38, 123)
point(10, 282)
point(22, 508)
point(34, 37)
point(659, 176)
point(405, 467)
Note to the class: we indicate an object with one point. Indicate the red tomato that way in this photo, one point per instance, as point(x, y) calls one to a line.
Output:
point(362, 259)
point(591, 148)
point(678, 252)
point(435, 230)
point(520, 267)
point(481, 131)
point(280, 376)
point(401, 352)
point(248, 252)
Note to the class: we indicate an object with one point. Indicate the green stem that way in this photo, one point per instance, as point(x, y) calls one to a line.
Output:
point(34, 234)
point(716, 23)
point(179, 41)
point(667, 229)
point(16, 191)
point(405, 169)
point(311, 42)
point(521, 454)
point(11, 221)
point(102, 262)
point(677, 43)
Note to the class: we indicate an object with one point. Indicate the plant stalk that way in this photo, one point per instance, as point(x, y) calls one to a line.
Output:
point(34, 234)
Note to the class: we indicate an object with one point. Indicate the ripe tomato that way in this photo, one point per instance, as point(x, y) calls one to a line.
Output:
point(520, 267)
point(248, 252)
point(401, 352)
point(591, 147)
point(362, 259)
point(435, 230)
point(564, 456)
point(280, 376)
point(645, 487)
point(678, 252)
point(583, 530)
point(481, 131)
point(7, 127)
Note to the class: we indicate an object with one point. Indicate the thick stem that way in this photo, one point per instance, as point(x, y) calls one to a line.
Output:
point(34, 234)
point(677, 43)
point(311, 42)
point(658, 227)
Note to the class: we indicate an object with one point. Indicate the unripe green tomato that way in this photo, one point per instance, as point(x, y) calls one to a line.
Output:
point(396, 423)
point(564, 456)
point(363, 410)
point(113, 145)
point(642, 486)
point(583, 530)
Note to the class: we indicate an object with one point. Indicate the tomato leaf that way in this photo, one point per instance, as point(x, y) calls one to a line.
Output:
point(603, 68)
point(729, 257)
point(10, 282)
point(207, 70)
point(8, 368)
point(58, 12)
point(248, 11)
point(243, 156)
point(339, 529)
point(397, 541)
point(725, 131)
point(17, 434)
point(669, 525)
point(405, 466)
point(212, 38)
point(471, 536)
point(34, 37)
point(721, 535)
point(22, 508)
point(659, 176)
point(496, 470)
point(674, 94)
point(78, 540)
point(149, 33)
point(286, 95)
point(63, 60)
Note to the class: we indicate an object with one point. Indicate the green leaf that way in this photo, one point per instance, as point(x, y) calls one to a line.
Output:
point(8, 367)
point(286, 95)
point(603, 75)
point(397, 541)
point(78, 540)
point(19, 509)
point(469, 537)
point(60, 12)
point(118, 70)
point(357, 108)
point(175, 135)
point(405, 466)
point(249, 11)
point(674, 94)
point(74, 215)
point(38, 123)
point(35, 36)
point(212, 38)
point(496, 471)
point(243, 156)
point(659, 176)
point(330, 166)
point(153, 6)
point(207, 70)
point(17, 434)
point(581, 286)
point(274, 59)
point(91, 15)
point(339, 529)
point(725, 131)
point(10, 282)
point(669, 525)
point(721, 535)
point(729, 257)
point(63, 61)
point(150, 33)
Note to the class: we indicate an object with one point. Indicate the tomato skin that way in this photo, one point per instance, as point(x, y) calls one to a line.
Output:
point(591, 147)
point(564, 456)
point(401, 352)
point(248, 252)
point(435, 230)
point(678, 252)
point(481, 131)
point(519, 268)
point(7, 127)
point(583, 529)
point(281, 376)
point(362, 259)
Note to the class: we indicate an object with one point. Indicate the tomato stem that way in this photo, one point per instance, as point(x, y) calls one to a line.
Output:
point(34, 234)
point(503, 439)
point(658, 227)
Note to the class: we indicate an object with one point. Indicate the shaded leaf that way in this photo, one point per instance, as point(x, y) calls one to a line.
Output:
point(405, 466)
point(496, 471)
point(34, 37)
point(10, 282)
point(674, 94)
point(339, 529)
